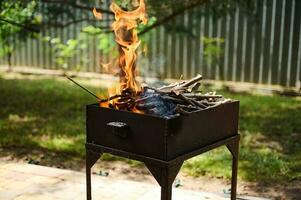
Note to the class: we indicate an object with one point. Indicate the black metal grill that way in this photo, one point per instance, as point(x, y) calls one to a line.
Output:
point(162, 144)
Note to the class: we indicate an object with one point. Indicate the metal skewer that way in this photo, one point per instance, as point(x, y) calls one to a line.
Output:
point(82, 87)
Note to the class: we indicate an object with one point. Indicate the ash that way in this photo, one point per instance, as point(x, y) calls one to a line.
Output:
point(154, 104)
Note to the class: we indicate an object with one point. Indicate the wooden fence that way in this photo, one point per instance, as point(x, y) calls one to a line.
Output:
point(264, 49)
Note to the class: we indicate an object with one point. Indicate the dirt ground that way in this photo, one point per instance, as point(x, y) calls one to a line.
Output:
point(123, 170)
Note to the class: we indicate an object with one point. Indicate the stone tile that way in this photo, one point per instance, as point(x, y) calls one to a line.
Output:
point(9, 194)
point(36, 197)
point(18, 185)
point(5, 181)
point(251, 198)
point(81, 196)
point(4, 173)
point(4, 165)
point(42, 180)
point(40, 170)
point(76, 177)
point(21, 176)
point(64, 189)
point(33, 182)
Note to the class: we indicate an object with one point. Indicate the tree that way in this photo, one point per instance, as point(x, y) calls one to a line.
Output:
point(164, 11)
point(15, 18)
point(20, 19)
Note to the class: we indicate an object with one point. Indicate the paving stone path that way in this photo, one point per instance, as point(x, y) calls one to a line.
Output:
point(32, 182)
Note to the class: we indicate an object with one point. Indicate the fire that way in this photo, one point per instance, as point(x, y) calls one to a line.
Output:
point(126, 36)
point(97, 15)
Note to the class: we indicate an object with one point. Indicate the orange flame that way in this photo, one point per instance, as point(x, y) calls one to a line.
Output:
point(97, 15)
point(126, 34)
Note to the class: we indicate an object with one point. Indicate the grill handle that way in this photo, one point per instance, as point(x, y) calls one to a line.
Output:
point(119, 129)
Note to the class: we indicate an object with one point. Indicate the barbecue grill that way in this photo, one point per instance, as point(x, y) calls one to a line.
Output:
point(162, 144)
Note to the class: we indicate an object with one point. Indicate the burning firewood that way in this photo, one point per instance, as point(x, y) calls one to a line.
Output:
point(167, 101)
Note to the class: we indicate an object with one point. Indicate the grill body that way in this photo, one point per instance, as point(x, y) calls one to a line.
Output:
point(160, 138)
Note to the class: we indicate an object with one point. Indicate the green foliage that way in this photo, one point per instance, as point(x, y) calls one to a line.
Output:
point(105, 42)
point(213, 49)
point(150, 22)
point(63, 52)
point(90, 35)
point(11, 35)
point(91, 30)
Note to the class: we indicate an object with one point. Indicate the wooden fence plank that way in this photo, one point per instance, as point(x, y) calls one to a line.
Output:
point(220, 46)
point(286, 40)
point(213, 34)
point(221, 62)
point(197, 49)
point(244, 49)
point(291, 34)
point(231, 43)
point(277, 41)
point(298, 65)
point(295, 45)
point(258, 43)
point(266, 41)
point(272, 42)
point(239, 45)
point(298, 74)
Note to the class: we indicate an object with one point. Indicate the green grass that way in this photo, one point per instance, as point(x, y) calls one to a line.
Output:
point(49, 115)
point(44, 113)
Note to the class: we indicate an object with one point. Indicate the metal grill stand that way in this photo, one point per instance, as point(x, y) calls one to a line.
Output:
point(164, 172)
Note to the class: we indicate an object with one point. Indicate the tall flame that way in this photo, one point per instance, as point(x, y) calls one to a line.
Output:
point(126, 36)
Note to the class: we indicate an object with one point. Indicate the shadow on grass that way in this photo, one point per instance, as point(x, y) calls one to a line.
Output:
point(42, 113)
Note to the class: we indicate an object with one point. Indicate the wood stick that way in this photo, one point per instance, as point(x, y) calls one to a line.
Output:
point(195, 87)
point(111, 98)
point(192, 81)
point(199, 104)
point(155, 90)
point(173, 99)
point(145, 98)
point(200, 96)
point(169, 87)
point(190, 107)
point(182, 85)
point(182, 111)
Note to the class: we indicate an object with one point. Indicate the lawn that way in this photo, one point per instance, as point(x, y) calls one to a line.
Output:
point(48, 114)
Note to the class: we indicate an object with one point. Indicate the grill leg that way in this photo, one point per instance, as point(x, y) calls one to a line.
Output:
point(234, 149)
point(88, 182)
point(91, 159)
point(165, 176)
point(234, 178)
point(166, 190)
